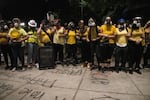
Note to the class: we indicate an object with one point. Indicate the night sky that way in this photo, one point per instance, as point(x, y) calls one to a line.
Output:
point(37, 9)
point(27, 9)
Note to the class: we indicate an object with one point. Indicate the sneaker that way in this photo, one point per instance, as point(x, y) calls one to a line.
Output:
point(117, 70)
point(99, 68)
point(101, 64)
point(138, 71)
point(62, 63)
point(37, 65)
point(88, 66)
point(84, 65)
point(23, 69)
point(74, 64)
point(14, 69)
point(130, 71)
point(29, 66)
point(102, 70)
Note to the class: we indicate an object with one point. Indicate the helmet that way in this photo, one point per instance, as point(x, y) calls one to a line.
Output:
point(121, 20)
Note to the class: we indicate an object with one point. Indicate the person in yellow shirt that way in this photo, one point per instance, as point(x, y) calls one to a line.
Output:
point(136, 45)
point(94, 39)
point(59, 42)
point(17, 37)
point(147, 46)
point(4, 44)
point(85, 44)
point(32, 44)
point(45, 34)
point(71, 44)
point(121, 49)
point(106, 47)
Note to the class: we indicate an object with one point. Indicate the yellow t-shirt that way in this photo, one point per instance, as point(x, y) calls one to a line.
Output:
point(138, 34)
point(84, 33)
point(14, 34)
point(109, 30)
point(3, 38)
point(17, 34)
point(44, 38)
point(71, 37)
point(121, 38)
point(32, 37)
point(57, 39)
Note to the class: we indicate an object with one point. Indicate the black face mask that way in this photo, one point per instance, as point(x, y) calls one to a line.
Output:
point(135, 26)
point(108, 22)
point(121, 27)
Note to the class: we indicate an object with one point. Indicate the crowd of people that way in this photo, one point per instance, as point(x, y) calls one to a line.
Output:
point(126, 42)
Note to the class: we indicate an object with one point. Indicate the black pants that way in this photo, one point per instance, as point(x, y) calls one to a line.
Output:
point(104, 52)
point(71, 51)
point(0, 58)
point(85, 51)
point(135, 53)
point(6, 50)
point(147, 55)
point(93, 47)
point(58, 52)
point(18, 52)
point(120, 56)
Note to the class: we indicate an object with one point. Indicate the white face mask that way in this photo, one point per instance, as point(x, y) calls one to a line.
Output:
point(5, 27)
point(134, 22)
point(120, 27)
point(108, 22)
point(16, 25)
point(138, 24)
point(91, 24)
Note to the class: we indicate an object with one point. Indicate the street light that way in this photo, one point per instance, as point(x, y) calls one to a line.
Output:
point(82, 5)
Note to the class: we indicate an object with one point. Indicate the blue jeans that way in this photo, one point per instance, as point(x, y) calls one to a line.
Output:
point(32, 53)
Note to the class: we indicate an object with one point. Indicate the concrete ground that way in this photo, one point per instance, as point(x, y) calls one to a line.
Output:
point(73, 83)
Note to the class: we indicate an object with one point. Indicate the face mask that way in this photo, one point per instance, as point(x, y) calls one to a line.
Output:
point(16, 25)
point(134, 26)
point(138, 24)
point(91, 24)
point(121, 27)
point(134, 22)
point(108, 22)
point(5, 27)
point(118, 26)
